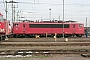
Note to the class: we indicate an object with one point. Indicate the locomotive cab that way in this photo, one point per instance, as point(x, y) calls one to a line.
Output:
point(79, 29)
point(18, 29)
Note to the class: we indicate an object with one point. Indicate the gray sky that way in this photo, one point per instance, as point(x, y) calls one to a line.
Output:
point(76, 10)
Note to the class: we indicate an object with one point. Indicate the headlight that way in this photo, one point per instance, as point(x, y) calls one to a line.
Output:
point(2, 30)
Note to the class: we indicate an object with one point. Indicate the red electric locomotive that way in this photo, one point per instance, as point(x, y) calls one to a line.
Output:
point(41, 28)
point(5, 27)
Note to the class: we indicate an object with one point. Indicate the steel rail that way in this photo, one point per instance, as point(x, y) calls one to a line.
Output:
point(45, 44)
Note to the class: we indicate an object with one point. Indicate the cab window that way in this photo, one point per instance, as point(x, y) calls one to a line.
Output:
point(16, 25)
point(80, 25)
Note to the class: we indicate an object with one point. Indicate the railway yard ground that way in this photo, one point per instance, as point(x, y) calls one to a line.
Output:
point(45, 49)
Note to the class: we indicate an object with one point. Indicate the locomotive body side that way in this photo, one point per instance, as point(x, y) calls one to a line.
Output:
point(50, 28)
point(40, 28)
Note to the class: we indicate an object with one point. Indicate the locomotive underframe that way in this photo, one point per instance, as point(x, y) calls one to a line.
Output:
point(44, 35)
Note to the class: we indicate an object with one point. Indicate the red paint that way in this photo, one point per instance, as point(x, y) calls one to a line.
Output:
point(26, 30)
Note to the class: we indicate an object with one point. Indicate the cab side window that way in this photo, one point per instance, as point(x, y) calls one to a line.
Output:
point(80, 25)
point(16, 25)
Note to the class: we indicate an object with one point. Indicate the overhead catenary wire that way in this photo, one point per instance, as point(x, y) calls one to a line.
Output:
point(50, 3)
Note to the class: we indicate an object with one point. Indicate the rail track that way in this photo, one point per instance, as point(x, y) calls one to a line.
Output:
point(30, 52)
point(47, 40)
point(29, 46)
point(47, 50)
point(45, 44)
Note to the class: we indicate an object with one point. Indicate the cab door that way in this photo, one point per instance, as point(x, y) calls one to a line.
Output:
point(24, 28)
point(74, 28)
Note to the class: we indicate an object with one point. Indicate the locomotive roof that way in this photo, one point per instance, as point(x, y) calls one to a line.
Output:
point(46, 23)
